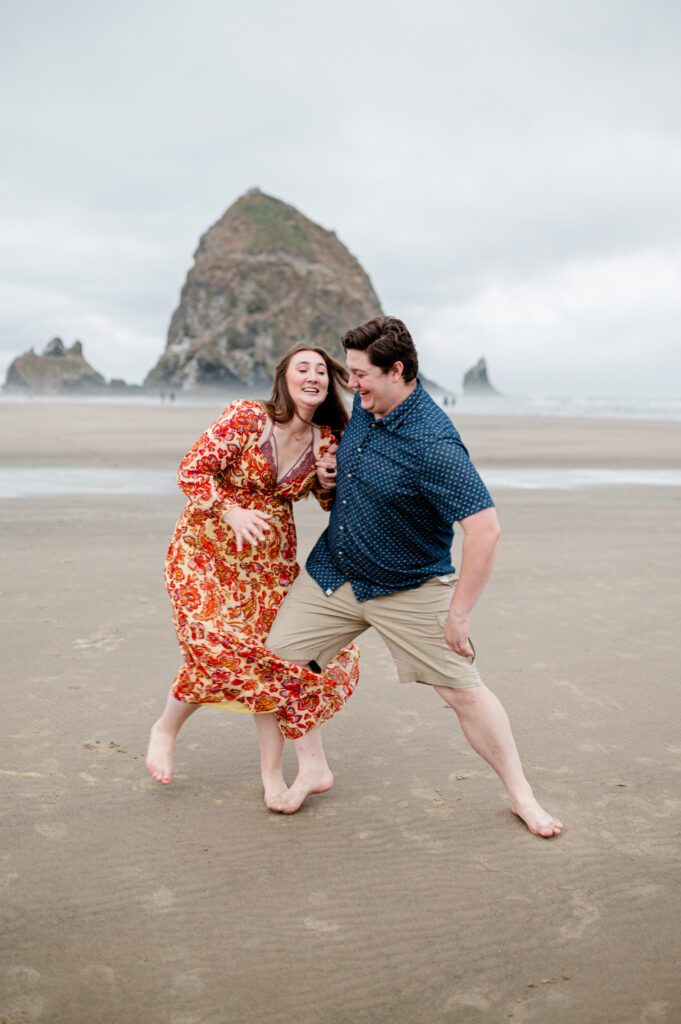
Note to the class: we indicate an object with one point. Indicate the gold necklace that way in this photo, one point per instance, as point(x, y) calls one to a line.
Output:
point(299, 437)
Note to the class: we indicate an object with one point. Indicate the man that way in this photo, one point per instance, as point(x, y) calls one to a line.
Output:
point(403, 478)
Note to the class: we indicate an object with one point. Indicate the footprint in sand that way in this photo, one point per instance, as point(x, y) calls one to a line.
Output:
point(473, 1000)
point(656, 1012)
point(328, 928)
point(584, 914)
point(159, 901)
point(99, 642)
point(22, 1004)
point(52, 829)
point(432, 800)
point(423, 839)
point(317, 898)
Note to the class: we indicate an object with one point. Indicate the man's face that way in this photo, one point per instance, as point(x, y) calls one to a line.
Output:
point(379, 392)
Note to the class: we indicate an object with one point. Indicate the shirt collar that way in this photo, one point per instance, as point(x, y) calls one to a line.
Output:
point(395, 418)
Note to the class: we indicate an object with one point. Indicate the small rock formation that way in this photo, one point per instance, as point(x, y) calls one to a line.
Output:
point(476, 381)
point(57, 369)
point(265, 277)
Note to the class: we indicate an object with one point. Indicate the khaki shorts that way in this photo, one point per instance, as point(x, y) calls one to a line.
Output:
point(313, 627)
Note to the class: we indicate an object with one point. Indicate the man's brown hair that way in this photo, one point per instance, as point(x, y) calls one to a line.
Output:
point(386, 341)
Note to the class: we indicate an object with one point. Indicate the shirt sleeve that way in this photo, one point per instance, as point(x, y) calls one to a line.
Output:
point(220, 445)
point(451, 483)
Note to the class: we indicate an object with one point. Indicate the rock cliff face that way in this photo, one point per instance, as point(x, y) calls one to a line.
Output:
point(476, 380)
point(57, 369)
point(264, 278)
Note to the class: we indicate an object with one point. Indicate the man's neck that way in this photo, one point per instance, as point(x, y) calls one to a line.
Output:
point(409, 389)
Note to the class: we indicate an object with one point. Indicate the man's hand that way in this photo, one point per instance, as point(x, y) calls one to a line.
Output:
point(326, 469)
point(249, 525)
point(456, 634)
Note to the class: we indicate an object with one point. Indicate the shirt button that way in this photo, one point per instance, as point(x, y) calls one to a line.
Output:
point(328, 592)
point(344, 502)
point(340, 552)
point(342, 527)
point(349, 474)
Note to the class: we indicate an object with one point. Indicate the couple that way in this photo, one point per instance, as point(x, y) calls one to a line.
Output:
point(403, 478)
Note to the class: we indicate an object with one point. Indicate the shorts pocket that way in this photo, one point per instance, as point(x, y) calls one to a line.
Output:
point(442, 622)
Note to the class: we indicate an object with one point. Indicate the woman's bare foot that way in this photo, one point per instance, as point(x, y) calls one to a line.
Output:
point(538, 821)
point(276, 790)
point(160, 754)
point(305, 785)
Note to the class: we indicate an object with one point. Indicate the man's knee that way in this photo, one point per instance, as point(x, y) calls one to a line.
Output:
point(460, 697)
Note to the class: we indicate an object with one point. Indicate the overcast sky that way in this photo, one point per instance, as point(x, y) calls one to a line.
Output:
point(508, 173)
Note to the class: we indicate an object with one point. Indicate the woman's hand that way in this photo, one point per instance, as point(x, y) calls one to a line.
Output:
point(326, 469)
point(249, 525)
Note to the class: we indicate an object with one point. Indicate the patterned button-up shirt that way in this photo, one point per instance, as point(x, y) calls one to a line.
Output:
point(402, 482)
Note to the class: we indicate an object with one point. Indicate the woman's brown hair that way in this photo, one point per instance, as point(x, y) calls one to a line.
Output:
point(331, 413)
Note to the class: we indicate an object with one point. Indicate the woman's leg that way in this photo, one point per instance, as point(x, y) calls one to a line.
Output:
point(314, 774)
point(163, 735)
point(271, 753)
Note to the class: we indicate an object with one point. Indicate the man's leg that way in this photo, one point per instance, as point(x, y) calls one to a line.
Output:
point(271, 753)
point(486, 727)
point(163, 736)
point(412, 625)
point(312, 626)
point(314, 774)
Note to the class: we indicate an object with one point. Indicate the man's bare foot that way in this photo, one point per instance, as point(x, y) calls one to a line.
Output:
point(305, 785)
point(276, 791)
point(538, 821)
point(160, 754)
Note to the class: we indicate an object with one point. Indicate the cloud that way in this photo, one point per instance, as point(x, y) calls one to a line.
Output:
point(534, 332)
point(506, 173)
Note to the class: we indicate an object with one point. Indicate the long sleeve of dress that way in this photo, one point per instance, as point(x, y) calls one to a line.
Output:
point(324, 497)
point(220, 445)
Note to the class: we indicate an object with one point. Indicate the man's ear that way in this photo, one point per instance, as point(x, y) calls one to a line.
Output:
point(396, 370)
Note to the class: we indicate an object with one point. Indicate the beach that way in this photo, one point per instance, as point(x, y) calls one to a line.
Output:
point(409, 893)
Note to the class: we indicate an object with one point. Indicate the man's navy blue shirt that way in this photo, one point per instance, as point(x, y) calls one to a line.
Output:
point(402, 482)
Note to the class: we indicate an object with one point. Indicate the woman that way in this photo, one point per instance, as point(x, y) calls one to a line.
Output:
point(232, 559)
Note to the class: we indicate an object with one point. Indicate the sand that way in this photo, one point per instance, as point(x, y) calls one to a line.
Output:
point(407, 894)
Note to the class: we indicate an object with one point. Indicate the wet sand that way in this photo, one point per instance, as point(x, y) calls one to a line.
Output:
point(407, 894)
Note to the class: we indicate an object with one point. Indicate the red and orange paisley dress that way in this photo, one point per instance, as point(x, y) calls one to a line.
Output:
point(224, 601)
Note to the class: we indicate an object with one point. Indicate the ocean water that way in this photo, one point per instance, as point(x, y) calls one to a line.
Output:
point(24, 482)
point(639, 407)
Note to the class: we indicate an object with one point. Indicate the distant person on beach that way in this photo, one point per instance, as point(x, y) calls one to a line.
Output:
point(232, 559)
point(403, 478)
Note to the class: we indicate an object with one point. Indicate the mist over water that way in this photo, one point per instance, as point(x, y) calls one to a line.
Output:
point(44, 482)
point(635, 407)
point(632, 407)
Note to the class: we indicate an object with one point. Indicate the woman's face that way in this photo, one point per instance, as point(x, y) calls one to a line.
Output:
point(307, 380)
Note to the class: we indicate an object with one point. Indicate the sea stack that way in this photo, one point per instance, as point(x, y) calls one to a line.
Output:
point(56, 370)
point(265, 277)
point(476, 380)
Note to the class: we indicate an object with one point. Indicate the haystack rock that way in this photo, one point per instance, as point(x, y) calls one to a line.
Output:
point(476, 380)
point(57, 369)
point(264, 278)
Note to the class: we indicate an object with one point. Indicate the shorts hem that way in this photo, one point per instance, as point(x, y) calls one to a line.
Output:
point(433, 679)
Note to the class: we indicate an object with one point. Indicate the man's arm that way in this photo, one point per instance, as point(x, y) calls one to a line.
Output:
point(481, 533)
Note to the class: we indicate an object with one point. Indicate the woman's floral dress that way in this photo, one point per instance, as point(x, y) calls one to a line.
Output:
point(225, 601)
